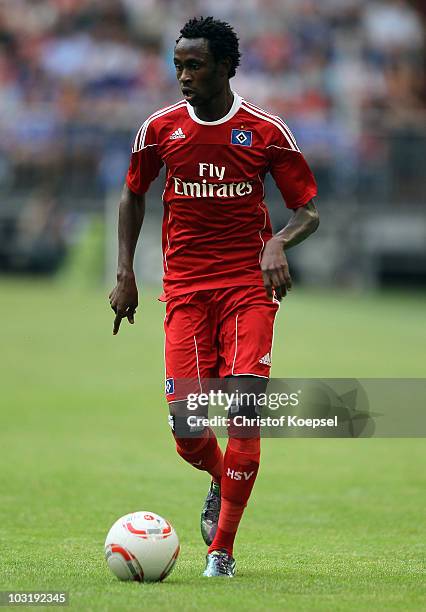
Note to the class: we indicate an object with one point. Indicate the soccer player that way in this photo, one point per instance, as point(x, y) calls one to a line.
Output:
point(224, 270)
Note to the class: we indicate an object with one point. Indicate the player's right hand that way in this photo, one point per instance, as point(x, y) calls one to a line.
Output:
point(124, 300)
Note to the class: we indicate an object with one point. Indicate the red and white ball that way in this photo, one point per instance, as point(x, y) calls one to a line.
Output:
point(141, 546)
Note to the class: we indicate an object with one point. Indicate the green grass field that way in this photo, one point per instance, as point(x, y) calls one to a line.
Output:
point(332, 524)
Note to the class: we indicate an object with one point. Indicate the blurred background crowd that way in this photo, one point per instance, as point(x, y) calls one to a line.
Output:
point(78, 77)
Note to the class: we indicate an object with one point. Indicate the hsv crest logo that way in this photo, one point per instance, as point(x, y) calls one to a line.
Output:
point(241, 137)
point(177, 134)
point(170, 386)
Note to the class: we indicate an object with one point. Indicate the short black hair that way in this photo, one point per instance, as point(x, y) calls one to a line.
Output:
point(223, 41)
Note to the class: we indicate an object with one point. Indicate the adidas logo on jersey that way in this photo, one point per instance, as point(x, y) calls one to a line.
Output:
point(177, 134)
point(266, 359)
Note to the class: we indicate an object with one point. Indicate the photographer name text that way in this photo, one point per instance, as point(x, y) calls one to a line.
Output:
point(243, 421)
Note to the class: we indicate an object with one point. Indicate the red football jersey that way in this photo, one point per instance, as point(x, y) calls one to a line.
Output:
point(215, 222)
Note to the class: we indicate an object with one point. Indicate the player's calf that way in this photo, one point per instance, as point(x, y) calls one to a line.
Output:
point(197, 446)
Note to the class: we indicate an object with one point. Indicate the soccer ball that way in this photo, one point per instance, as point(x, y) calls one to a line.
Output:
point(141, 546)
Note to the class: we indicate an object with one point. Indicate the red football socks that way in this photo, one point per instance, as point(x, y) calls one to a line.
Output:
point(204, 453)
point(241, 464)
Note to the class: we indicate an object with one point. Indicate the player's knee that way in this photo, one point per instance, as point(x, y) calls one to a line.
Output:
point(244, 413)
point(244, 421)
point(182, 424)
point(247, 391)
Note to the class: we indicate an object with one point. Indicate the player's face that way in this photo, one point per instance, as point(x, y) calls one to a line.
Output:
point(200, 76)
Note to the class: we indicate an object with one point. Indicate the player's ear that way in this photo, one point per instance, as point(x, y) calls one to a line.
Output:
point(225, 67)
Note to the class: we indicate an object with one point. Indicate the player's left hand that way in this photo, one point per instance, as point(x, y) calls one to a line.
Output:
point(275, 271)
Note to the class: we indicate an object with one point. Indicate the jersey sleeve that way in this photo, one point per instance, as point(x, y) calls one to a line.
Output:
point(289, 168)
point(145, 161)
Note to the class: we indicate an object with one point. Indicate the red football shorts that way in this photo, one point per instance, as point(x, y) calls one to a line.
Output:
point(217, 333)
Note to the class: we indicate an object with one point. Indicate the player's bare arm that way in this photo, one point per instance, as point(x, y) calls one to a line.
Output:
point(124, 297)
point(274, 265)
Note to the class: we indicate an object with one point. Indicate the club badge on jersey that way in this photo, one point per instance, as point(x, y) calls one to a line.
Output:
point(170, 386)
point(241, 137)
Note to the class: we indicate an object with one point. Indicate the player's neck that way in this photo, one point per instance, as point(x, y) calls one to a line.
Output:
point(217, 107)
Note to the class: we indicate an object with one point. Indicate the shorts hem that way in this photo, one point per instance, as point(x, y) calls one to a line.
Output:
point(249, 374)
